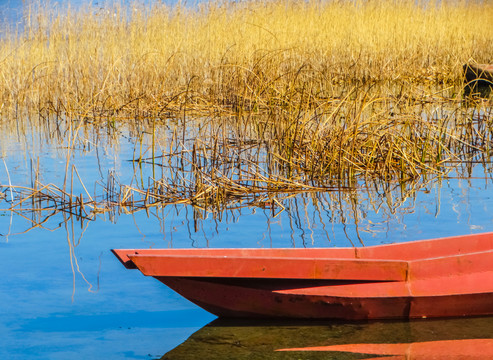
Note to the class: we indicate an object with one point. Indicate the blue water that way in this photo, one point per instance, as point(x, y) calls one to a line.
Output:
point(64, 294)
point(55, 308)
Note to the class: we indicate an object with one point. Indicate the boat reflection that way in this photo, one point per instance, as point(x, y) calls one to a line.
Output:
point(441, 349)
point(425, 339)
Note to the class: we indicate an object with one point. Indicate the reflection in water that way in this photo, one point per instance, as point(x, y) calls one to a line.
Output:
point(310, 214)
point(441, 349)
point(104, 174)
point(201, 176)
point(341, 218)
point(369, 214)
point(426, 339)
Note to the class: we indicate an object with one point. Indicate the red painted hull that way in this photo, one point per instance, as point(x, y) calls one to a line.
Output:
point(446, 277)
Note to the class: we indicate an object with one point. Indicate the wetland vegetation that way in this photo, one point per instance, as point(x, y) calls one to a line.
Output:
point(247, 103)
point(225, 124)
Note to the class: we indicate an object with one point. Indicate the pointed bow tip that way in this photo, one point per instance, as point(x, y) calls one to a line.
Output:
point(122, 255)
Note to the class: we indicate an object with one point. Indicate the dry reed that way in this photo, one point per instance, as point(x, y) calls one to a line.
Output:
point(131, 60)
point(41, 205)
point(257, 99)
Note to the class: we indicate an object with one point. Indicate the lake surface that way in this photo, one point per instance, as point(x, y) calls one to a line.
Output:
point(432, 339)
point(64, 295)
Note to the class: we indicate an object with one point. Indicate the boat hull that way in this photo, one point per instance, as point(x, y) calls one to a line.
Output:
point(224, 298)
point(448, 277)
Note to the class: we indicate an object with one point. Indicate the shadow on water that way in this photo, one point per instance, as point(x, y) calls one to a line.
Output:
point(424, 339)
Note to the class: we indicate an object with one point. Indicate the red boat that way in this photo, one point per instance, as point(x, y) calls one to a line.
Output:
point(447, 277)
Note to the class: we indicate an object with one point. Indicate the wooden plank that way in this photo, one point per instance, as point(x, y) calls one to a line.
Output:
point(429, 249)
point(273, 268)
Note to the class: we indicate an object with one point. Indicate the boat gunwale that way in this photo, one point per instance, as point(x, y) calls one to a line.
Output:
point(294, 258)
point(404, 251)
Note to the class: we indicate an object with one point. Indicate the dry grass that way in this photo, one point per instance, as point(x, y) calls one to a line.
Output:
point(41, 205)
point(254, 99)
point(130, 61)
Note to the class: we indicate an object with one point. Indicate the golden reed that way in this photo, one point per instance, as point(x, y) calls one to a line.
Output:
point(123, 59)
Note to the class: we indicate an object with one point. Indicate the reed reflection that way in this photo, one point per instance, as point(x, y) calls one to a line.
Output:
point(209, 171)
point(310, 218)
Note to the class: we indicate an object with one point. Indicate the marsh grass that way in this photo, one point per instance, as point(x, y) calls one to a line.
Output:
point(131, 61)
point(258, 100)
point(226, 163)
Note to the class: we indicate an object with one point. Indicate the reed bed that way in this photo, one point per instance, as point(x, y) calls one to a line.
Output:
point(245, 162)
point(244, 103)
point(132, 61)
point(216, 164)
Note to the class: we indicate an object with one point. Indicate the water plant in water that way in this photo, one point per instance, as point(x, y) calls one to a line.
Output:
point(246, 101)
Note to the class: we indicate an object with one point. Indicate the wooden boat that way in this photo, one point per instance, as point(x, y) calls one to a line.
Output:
point(479, 72)
point(447, 277)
